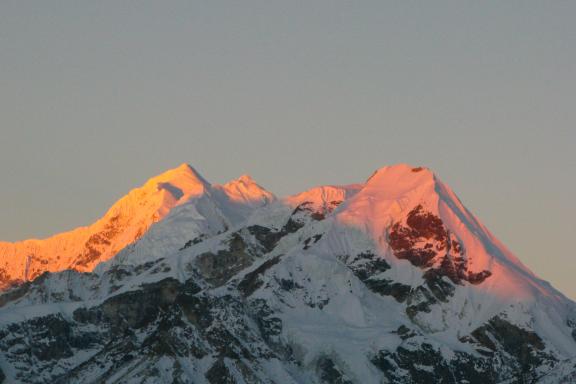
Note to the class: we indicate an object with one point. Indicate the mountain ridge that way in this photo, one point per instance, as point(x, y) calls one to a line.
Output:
point(82, 248)
point(389, 281)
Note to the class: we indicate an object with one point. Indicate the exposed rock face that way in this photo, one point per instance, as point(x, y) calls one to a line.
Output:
point(329, 372)
point(137, 329)
point(388, 282)
point(218, 267)
point(526, 346)
point(367, 266)
point(426, 243)
point(426, 364)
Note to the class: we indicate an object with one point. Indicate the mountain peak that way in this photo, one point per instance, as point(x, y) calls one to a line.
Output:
point(181, 182)
point(126, 220)
point(245, 189)
point(400, 169)
point(182, 172)
point(246, 179)
point(397, 179)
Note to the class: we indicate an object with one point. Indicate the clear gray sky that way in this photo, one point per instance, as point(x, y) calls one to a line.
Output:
point(98, 96)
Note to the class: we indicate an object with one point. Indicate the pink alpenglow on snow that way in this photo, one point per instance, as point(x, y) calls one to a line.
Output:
point(416, 218)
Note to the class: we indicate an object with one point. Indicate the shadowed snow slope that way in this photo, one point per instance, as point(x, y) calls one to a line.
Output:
point(389, 281)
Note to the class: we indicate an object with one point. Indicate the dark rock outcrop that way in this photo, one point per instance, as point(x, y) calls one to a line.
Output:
point(427, 244)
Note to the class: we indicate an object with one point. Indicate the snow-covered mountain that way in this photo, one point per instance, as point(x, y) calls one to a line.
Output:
point(128, 219)
point(389, 281)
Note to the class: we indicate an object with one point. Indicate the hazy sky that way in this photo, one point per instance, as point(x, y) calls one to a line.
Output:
point(98, 96)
